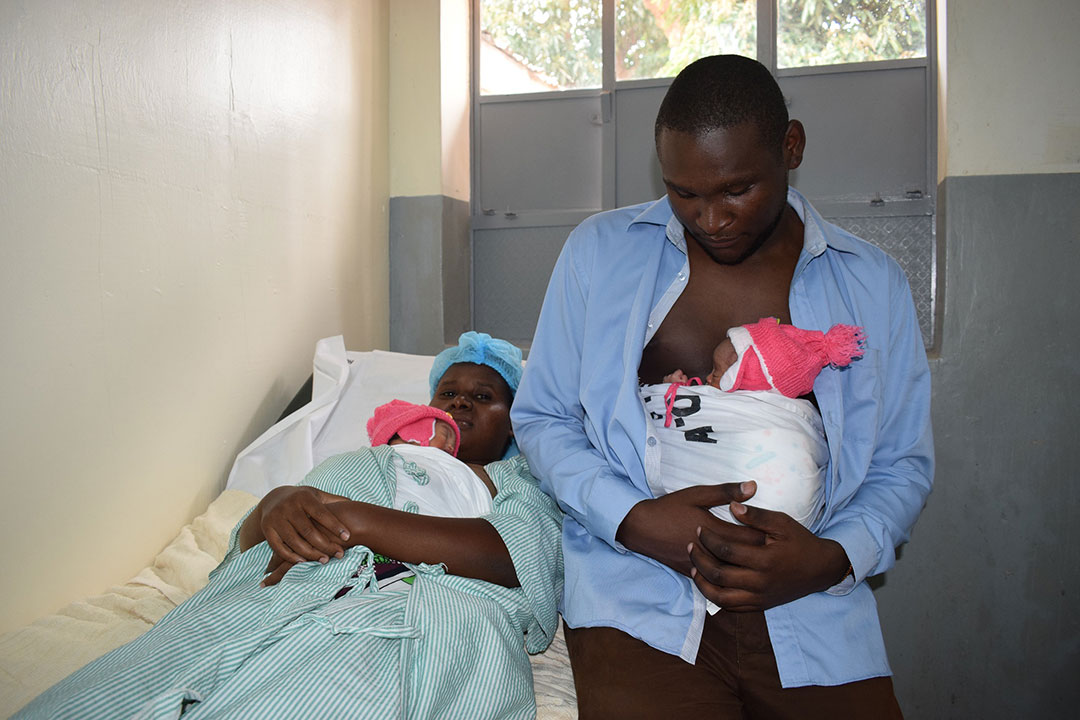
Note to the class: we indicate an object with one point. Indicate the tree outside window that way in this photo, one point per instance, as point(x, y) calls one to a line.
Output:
point(831, 32)
point(536, 45)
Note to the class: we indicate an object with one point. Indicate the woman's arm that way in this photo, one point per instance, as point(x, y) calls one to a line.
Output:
point(297, 523)
point(308, 522)
point(469, 547)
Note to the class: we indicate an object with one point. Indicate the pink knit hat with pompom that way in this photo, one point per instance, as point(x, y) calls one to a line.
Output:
point(787, 358)
point(412, 423)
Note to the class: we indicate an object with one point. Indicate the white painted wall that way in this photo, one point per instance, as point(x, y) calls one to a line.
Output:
point(429, 98)
point(415, 109)
point(1012, 87)
point(941, 67)
point(190, 195)
point(454, 70)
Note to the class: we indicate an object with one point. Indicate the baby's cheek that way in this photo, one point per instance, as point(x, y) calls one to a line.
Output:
point(445, 439)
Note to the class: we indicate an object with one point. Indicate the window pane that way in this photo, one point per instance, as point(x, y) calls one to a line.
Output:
point(827, 32)
point(655, 39)
point(539, 45)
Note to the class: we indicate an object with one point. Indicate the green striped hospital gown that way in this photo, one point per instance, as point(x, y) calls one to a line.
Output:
point(449, 647)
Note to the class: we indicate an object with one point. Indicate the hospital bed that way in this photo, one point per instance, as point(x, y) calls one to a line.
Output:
point(345, 389)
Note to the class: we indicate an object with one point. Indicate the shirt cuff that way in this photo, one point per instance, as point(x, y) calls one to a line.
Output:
point(861, 552)
point(605, 517)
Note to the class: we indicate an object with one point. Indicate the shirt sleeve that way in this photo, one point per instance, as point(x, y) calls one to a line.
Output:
point(549, 419)
point(881, 513)
point(530, 525)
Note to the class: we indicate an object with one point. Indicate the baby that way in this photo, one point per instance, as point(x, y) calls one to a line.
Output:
point(748, 421)
point(426, 441)
point(398, 422)
point(430, 478)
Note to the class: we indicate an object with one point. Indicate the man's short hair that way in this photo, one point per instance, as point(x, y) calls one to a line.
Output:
point(722, 91)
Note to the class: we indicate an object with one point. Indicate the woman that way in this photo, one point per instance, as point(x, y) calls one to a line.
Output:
point(451, 646)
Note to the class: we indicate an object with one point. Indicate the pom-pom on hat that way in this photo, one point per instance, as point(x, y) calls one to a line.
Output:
point(482, 349)
point(412, 423)
point(787, 358)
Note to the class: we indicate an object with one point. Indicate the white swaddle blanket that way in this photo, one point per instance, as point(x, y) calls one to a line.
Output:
point(719, 437)
point(446, 488)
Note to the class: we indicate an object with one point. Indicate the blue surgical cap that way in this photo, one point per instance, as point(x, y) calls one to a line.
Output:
point(482, 349)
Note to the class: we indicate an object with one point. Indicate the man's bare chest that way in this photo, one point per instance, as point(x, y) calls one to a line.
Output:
point(714, 300)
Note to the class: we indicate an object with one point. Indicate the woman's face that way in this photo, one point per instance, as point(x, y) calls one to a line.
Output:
point(479, 400)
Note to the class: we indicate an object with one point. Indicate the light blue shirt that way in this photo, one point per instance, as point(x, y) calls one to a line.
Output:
point(579, 420)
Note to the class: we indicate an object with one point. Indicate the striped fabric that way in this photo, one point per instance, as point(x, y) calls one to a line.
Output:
point(450, 647)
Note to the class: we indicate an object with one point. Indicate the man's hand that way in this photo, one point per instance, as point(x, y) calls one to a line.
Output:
point(741, 576)
point(298, 525)
point(663, 528)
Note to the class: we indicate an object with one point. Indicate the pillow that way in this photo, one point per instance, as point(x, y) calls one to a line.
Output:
point(375, 378)
point(347, 388)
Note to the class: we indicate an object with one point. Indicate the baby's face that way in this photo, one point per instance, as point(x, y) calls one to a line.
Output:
point(443, 437)
point(723, 357)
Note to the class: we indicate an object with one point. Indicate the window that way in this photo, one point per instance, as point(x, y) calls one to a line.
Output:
point(549, 45)
point(567, 93)
point(658, 39)
point(539, 45)
point(830, 32)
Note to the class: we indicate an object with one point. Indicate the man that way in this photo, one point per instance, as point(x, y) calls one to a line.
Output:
point(641, 291)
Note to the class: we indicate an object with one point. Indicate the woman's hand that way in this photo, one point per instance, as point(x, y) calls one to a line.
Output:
point(297, 524)
point(470, 547)
point(276, 570)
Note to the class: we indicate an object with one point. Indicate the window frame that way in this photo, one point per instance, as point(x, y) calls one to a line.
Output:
point(766, 48)
point(766, 54)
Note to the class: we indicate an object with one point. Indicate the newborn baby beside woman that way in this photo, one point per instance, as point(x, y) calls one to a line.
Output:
point(426, 440)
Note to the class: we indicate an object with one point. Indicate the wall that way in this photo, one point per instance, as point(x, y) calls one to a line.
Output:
point(1012, 99)
point(455, 92)
point(190, 195)
point(430, 255)
point(429, 98)
point(980, 614)
point(415, 100)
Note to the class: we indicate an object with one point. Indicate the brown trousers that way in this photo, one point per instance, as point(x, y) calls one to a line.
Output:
point(618, 676)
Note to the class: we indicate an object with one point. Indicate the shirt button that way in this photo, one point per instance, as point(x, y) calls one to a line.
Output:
point(652, 442)
point(681, 276)
point(650, 324)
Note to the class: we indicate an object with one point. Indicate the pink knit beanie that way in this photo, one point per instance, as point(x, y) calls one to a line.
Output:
point(787, 358)
point(412, 423)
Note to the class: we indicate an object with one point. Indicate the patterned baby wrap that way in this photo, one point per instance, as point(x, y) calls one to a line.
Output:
point(721, 437)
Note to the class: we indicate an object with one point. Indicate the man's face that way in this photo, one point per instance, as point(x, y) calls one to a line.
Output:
point(479, 400)
point(727, 187)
